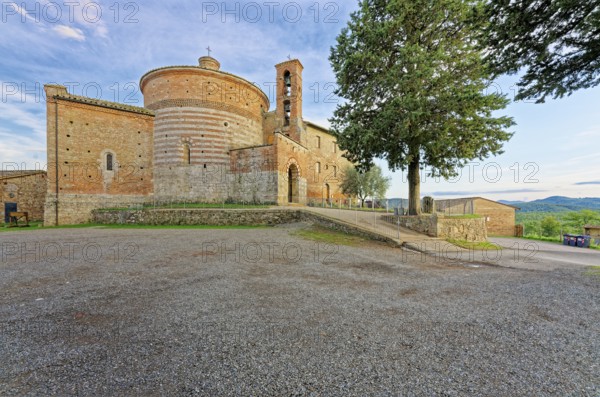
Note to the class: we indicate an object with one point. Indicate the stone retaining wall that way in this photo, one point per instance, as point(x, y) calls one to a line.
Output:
point(471, 229)
point(213, 217)
point(446, 227)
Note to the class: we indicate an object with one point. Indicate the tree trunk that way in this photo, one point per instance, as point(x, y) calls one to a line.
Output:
point(414, 187)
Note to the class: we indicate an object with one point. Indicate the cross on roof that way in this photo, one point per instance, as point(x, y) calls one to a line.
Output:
point(209, 50)
point(290, 57)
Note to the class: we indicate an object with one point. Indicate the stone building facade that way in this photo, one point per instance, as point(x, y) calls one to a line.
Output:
point(203, 135)
point(24, 189)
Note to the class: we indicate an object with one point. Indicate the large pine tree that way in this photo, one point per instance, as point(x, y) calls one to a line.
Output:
point(554, 43)
point(414, 83)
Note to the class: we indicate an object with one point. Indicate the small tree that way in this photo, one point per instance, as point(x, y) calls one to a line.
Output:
point(377, 184)
point(365, 184)
point(550, 226)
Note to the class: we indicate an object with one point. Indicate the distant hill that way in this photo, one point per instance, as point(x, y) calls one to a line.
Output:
point(557, 204)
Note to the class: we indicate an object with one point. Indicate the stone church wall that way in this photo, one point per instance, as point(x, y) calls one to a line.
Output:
point(88, 131)
point(254, 175)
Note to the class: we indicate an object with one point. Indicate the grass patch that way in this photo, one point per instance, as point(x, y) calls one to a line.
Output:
point(465, 216)
point(323, 235)
point(32, 226)
point(483, 246)
point(593, 271)
point(543, 238)
point(133, 226)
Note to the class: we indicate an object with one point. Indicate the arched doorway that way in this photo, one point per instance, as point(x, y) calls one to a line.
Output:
point(293, 188)
point(328, 193)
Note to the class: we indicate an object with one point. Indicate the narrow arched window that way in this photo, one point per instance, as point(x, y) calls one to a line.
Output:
point(287, 82)
point(287, 110)
point(187, 154)
point(109, 162)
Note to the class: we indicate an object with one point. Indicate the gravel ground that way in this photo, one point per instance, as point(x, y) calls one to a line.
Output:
point(262, 312)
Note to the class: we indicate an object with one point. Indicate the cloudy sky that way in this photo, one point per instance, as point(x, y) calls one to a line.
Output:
point(102, 48)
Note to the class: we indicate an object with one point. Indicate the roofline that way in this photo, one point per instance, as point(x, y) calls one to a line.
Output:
point(23, 174)
point(319, 127)
point(290, 139)
point(197, 68)
point(482, 198)
point(105, 104)
point(250, 147)
point(290, 61)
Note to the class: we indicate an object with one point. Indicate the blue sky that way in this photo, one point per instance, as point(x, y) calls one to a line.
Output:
point(101, 49)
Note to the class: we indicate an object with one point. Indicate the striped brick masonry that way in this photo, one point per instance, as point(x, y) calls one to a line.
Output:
point(203, 135)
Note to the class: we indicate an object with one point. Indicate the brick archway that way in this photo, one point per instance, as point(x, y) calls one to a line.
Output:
point(293, 184)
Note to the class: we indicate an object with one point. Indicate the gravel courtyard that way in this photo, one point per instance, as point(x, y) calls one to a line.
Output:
point(267, 312)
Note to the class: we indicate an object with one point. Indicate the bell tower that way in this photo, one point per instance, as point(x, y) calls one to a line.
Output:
point(289, 98)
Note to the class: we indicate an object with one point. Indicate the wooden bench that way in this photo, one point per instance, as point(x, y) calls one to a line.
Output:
point(15, 217)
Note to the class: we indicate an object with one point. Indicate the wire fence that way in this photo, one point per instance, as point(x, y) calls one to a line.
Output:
point(455, 207)
point(381, 221)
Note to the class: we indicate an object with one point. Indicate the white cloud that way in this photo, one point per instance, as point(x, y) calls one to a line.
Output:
point(26, 152)
point(590, 133)
point(69, 32)
point(22, 129)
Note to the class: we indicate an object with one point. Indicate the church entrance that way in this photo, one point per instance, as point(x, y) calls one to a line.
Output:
point(293, 187)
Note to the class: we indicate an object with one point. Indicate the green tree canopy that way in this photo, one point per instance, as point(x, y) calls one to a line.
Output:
point(582, 218)
point(550, 226)
point(365, 184)
point(556, 43)
point(414, 83)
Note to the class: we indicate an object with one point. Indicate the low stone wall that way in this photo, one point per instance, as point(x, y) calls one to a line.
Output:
point(213, 217)
point(446, 227)
point(229, 217)
point(470, 229)
point(423, 224)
